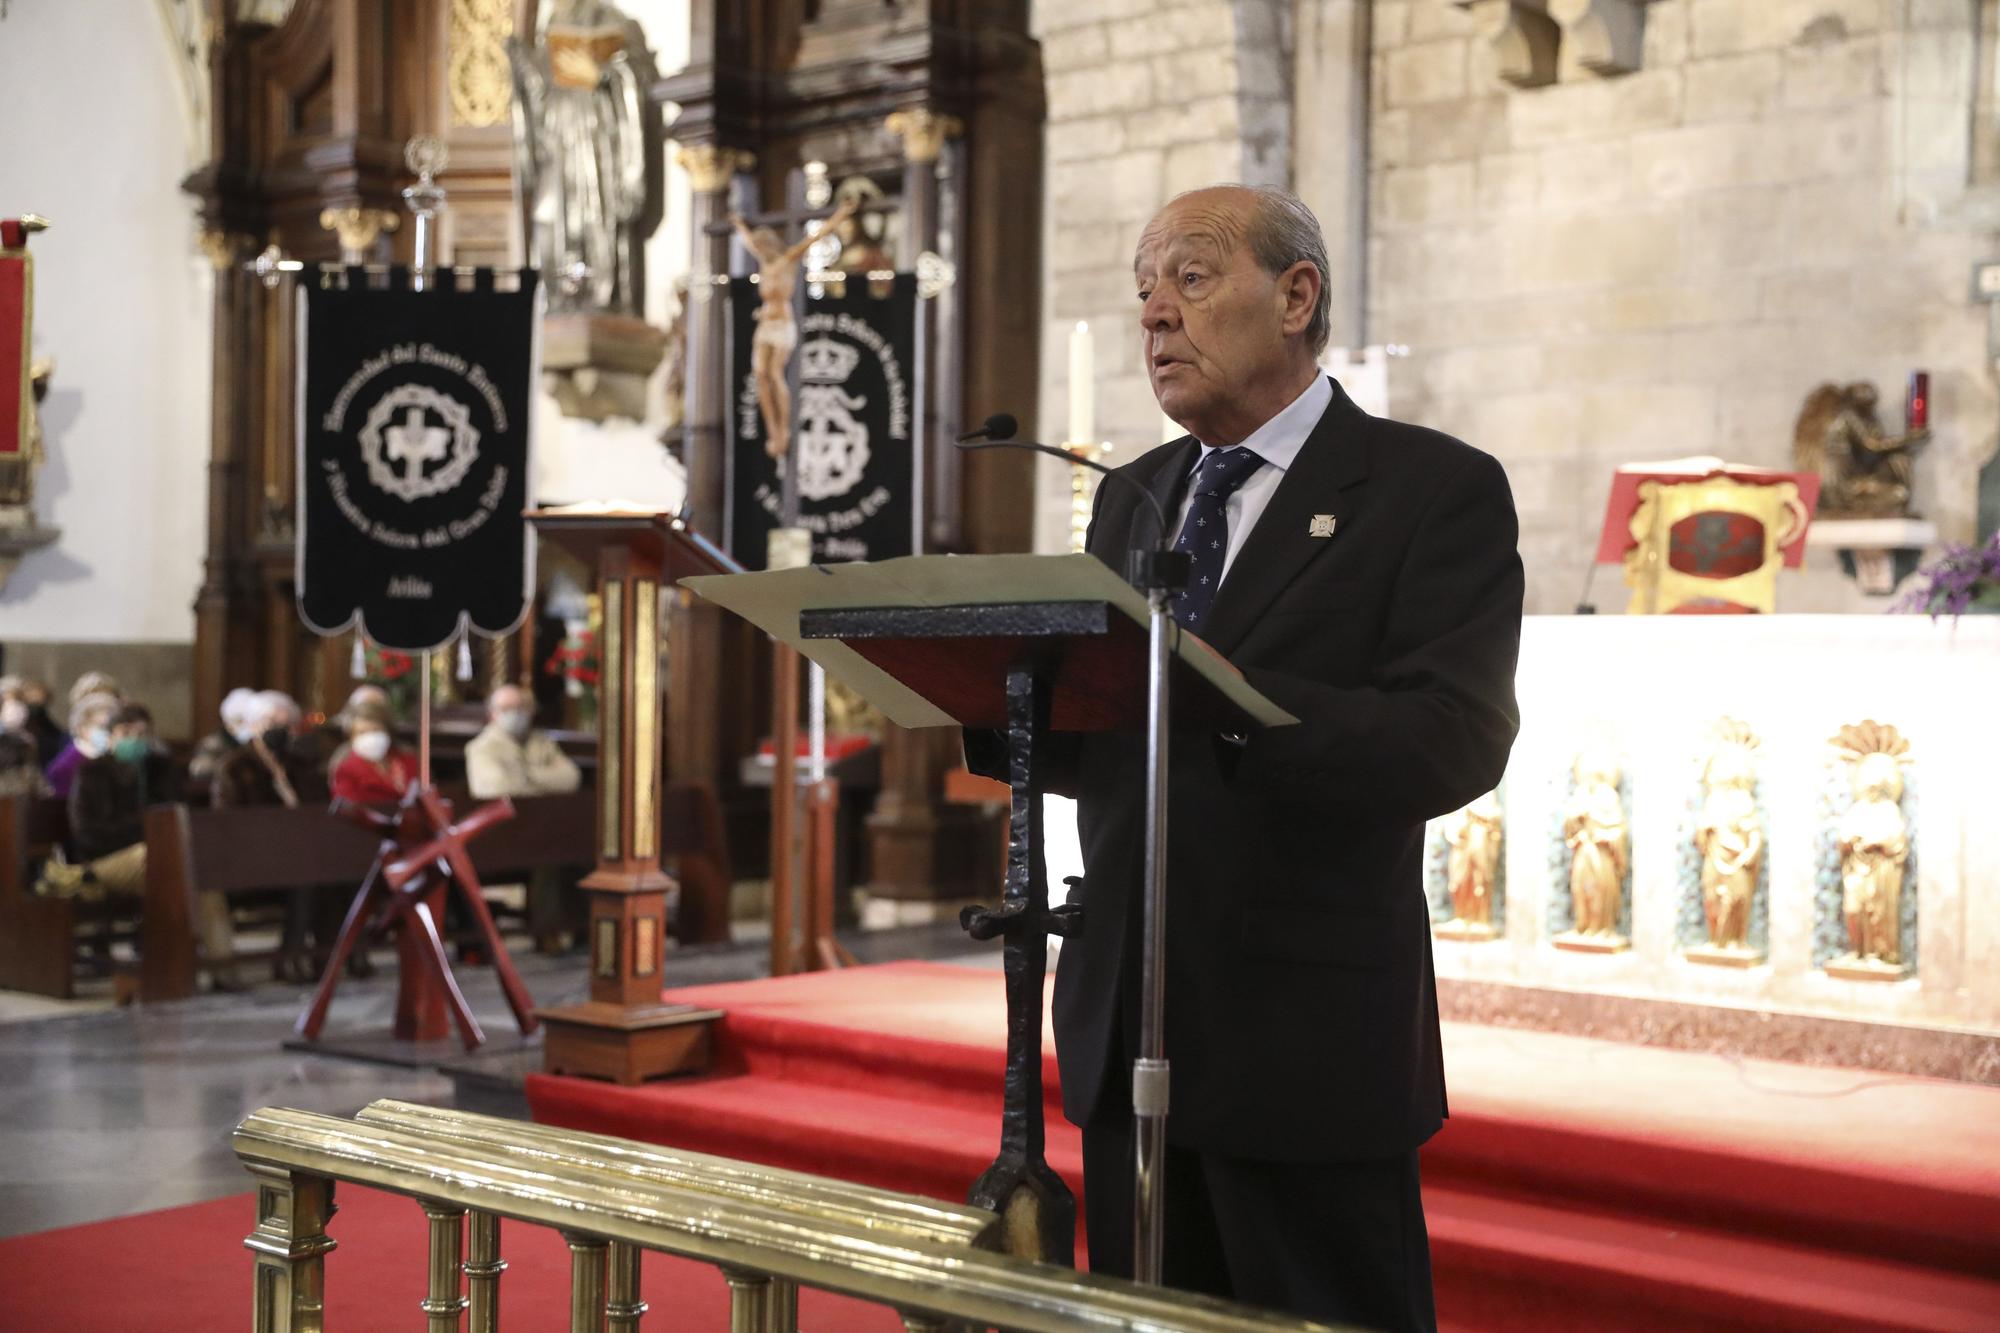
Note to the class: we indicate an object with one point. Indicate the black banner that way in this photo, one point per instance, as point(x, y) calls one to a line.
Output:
point(414, 416)
point(854, 426)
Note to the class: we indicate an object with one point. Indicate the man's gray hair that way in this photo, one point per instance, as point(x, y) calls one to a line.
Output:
point(1282, 232)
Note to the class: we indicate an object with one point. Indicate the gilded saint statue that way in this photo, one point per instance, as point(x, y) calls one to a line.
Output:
point(1864, 471)
point(1472, 865)
point(777, 332)
point(1729, 835)
point(1874, 841)
point(1594, 826)
point(580, 146)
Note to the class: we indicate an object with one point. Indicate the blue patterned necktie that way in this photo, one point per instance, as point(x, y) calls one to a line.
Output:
point(1205, 534)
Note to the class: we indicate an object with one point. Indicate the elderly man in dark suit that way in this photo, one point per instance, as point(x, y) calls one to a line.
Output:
point(1363, 574)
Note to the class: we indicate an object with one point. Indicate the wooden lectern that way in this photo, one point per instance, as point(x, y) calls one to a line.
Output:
point(1018, 644)
point(624, 1032)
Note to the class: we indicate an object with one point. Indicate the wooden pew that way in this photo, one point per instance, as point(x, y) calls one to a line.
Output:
point(37, 935)
point(274, 848)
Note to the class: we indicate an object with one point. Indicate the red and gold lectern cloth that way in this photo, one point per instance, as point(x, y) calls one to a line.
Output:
point(1698, 536)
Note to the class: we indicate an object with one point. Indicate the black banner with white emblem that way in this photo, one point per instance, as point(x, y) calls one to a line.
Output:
point(854, 426)
point(414, 424)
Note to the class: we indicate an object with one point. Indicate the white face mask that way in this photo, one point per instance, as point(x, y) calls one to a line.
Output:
point(372, 745)
point(13, 715)
point(516, 722)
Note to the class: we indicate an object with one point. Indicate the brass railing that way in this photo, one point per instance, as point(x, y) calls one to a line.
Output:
point(769, 1231)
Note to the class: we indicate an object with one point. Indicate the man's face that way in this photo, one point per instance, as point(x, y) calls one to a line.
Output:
point(1212, 319)
point(138, 731)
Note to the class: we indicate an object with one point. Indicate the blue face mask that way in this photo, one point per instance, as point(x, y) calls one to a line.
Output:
point(97, 739)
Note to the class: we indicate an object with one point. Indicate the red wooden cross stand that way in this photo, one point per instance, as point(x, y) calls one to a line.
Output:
point(421, 860)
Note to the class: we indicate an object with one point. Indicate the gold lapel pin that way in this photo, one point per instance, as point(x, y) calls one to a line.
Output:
point(1321, 526)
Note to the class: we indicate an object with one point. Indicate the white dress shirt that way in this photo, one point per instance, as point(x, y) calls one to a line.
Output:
point(1277, 442)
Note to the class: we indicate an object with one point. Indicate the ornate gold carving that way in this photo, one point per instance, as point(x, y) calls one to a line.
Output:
point(1657, 587)
point(219, 246)
point(1599, 838)
point(923, 131)
point(604, 949)
point(1472, 866)
point(710, 167)
point(1874, 842)
point(1729, 835)
point(611, 723)
point(480, 91)
point(645, 718)
point(357, 227)
point(1864, 471)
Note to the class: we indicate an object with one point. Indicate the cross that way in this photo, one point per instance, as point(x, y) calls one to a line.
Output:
point(416, 443)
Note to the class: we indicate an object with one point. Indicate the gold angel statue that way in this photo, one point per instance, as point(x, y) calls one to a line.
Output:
point(1729, 834)
point(1594, 825)
point(1472, 863)
point(1874, 847)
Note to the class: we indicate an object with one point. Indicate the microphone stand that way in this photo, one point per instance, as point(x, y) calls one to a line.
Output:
point(1160, 572)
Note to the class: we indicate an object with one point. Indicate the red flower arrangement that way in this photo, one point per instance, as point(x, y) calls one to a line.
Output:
point(575, 660)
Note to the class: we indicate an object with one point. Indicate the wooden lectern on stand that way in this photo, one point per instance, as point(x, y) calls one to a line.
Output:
point(624, 1032)
point(1021, 644)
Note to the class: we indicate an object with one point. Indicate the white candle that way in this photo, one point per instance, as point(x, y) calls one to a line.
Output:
point(1082, 392)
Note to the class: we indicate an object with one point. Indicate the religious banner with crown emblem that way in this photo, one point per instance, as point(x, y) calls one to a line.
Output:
point(414, 422)
point(854, 426)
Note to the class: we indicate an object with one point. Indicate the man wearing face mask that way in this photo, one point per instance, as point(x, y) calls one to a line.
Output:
point(107, 807)
point(90, 737)
point(510, 758)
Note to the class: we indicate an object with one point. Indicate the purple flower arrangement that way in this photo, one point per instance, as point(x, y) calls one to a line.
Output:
point(1964, 578)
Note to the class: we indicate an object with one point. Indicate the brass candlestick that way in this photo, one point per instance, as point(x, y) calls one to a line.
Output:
point(1081, 487)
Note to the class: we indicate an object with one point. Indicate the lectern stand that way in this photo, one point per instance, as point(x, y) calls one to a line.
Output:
point(1021, 645)
point(624, 1032)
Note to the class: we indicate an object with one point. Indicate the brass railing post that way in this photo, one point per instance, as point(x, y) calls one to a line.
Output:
point(290, 1243)
point(921, 1323)
point(784, 1306)
point(622, 1306)
point(483, 1267)
point(749, 1301)
point(444, 1304)
point(586, 1282)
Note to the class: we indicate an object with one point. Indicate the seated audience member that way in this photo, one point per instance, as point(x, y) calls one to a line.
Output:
point(90, 720)
point(49, 738)
point(341, 723)
point(272, 768)
point(20, 759)
point(510, 758)
point(94, 682)
point(107, 805)
point(375, 770)
point(219, 745)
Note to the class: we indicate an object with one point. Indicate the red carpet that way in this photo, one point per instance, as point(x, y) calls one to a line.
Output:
point(184, 1270)
point(1579, 1184)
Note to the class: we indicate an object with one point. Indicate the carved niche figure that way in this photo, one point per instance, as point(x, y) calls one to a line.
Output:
point(1874, 841)
point(1472, 864)
point(1729, 835)
point(777, 332)
point(1595, 828)
point(1864, 471)
point(580, 152)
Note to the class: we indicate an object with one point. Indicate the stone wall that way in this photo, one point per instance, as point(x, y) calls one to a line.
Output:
point(1665, 262)
point(1145, 99)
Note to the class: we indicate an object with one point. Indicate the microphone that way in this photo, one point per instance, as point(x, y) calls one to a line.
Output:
point(999, 426)
point(1161, 566)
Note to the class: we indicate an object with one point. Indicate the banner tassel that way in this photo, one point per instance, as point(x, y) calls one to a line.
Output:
point(465, 657)
point(357, 663)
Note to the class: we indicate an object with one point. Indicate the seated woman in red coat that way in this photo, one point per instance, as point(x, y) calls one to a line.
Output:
point(375, 771)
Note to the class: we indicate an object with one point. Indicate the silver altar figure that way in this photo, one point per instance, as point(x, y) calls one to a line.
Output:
point(580, 152)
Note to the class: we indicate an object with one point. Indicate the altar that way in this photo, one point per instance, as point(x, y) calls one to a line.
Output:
point(1650, 702)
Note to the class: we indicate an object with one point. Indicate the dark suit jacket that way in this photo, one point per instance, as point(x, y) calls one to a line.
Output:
point(1301, 1010)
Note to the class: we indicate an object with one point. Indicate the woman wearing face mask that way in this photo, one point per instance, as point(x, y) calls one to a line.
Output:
point(376, 771)
point(90, 738)
point(217, 746)
point(20, 759)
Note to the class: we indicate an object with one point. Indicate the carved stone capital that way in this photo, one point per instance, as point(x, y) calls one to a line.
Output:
point(923, 131)
point(710, 166)
point(358, 227)
point(1523, 37)
point(1608, 36)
